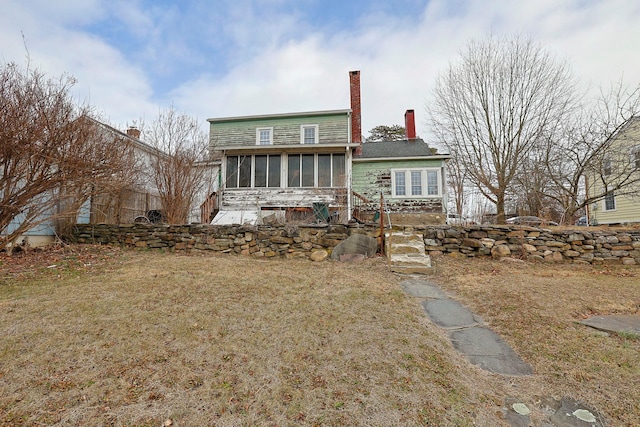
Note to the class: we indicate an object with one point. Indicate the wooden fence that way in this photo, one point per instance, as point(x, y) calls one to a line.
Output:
point(123, 207)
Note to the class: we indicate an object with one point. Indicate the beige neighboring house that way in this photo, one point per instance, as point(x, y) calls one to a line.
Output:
point(621, 164)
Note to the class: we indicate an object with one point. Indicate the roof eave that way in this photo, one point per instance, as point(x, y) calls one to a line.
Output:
point(278, 115)
point(382, 159)
point(285, 147)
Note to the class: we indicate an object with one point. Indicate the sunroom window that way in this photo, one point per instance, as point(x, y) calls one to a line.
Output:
point(300, 170)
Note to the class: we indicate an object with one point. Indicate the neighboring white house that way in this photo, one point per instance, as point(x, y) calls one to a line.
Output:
point(114, 204)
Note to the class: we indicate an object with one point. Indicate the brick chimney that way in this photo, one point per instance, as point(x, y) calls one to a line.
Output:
point(133, 132)
point(410, 125)
point(356, 114)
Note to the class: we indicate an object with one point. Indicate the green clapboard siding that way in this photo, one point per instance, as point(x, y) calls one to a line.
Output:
point(332, 128)
point(371, 178)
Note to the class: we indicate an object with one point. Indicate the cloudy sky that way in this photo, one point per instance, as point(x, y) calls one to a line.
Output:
point(219, 58)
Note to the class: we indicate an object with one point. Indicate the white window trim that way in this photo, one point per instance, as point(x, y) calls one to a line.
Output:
point(303, 127)
point(604, 203)
point(270, 129)
point(407, 174)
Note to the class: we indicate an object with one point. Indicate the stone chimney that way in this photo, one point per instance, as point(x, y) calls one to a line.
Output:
point(410, 125)
point(133, 132)
point(356, 114)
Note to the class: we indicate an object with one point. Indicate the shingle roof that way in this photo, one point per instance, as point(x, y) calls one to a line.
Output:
point(388, 149)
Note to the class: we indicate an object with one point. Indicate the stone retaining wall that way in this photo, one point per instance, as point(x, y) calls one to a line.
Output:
point(259, 241)
point(580, 245)
point(583, 245)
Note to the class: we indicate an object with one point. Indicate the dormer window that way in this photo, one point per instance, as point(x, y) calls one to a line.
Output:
point(309, 134)
point(264, 136)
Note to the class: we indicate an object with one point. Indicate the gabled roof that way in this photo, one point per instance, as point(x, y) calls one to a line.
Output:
point(135, 141)
point(403, 149)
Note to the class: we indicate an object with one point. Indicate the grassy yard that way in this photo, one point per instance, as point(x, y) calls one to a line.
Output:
point(104, 336)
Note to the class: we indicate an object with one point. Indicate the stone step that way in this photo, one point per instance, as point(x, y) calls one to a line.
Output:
point(406, 254)
point(410, 239)
point(410, 264)
point(404, 243)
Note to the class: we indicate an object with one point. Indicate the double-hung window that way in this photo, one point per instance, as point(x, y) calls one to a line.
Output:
point(264, 136)
point(415, 183)
point(610, 201)
point(309, 134)
point(400, 185)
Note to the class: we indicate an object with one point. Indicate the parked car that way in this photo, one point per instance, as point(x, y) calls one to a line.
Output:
point(582, 221)
point(530, 220)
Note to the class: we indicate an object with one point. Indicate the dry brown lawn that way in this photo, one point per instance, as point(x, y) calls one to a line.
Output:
point(104, 336)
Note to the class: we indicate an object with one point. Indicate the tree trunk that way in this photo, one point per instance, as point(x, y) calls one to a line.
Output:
point(500, 218)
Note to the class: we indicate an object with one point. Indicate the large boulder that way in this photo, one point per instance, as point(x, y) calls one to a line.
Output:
point(356, 244)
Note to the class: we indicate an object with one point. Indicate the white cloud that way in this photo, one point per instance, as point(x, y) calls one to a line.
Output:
point(399, 60)
point(258, 59)
point(104, 78)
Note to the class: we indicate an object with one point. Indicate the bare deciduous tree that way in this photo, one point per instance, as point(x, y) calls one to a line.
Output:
point(596, 145)
point(532, 186)
point(52, 157)
point(458, 181)
point(493, 106)
point(176, 175)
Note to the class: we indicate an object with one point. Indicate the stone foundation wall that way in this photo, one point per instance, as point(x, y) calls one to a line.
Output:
point(258, 241)
point(581, 245)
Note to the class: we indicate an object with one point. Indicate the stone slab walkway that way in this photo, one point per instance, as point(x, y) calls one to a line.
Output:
point(617, 323)
point(486, 349)
point(468, 334)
